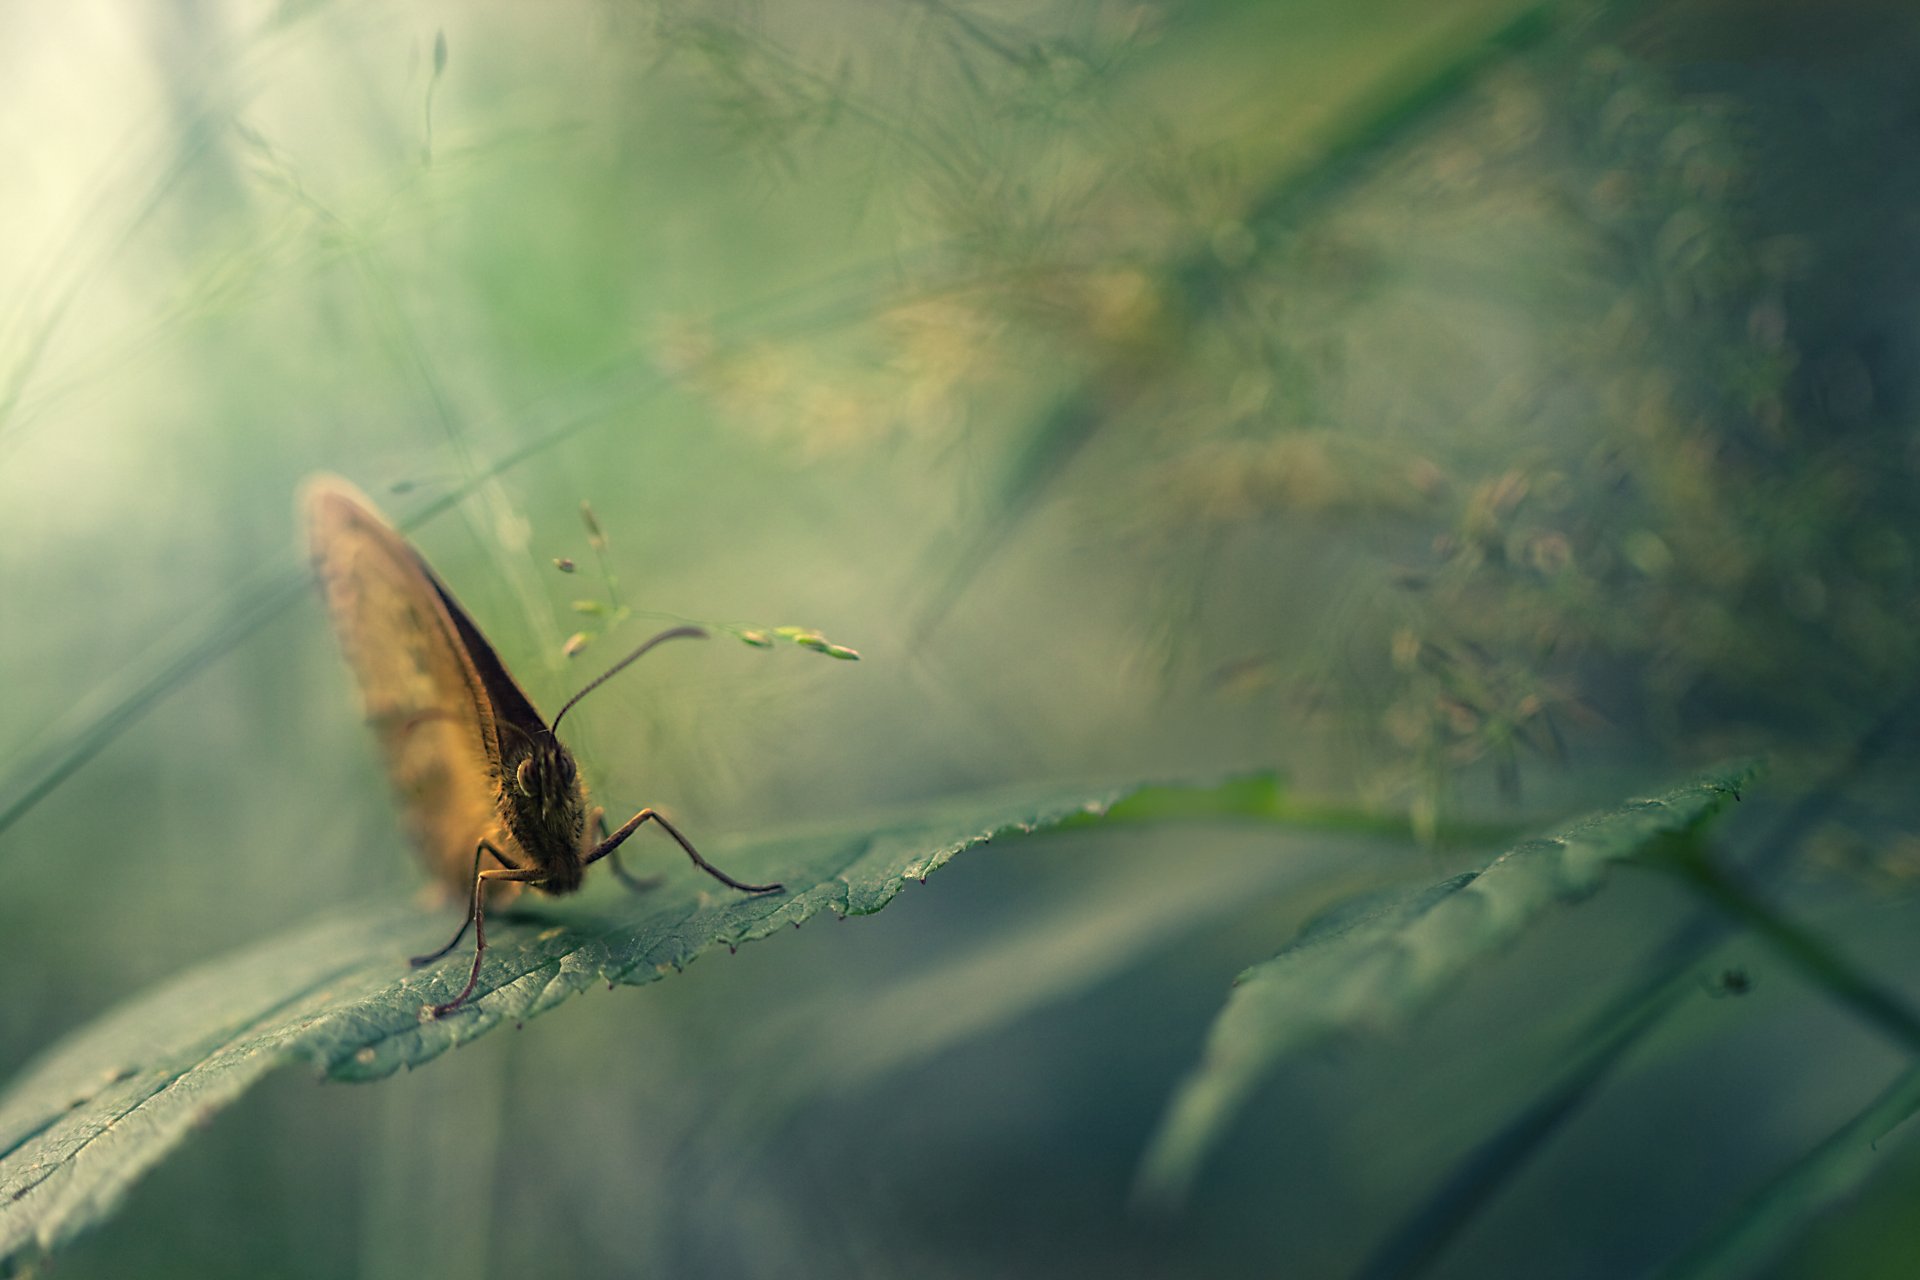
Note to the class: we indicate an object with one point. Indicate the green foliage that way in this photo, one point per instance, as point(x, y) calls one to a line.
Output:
point(1778, 1212)
point(1376, 960)
point(1467, 413)
point(97, 1112)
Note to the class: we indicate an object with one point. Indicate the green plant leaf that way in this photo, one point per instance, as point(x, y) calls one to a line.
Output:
point(1778, 1213)
point(1375, 960)
point(80, 1126)
point(1264, 798)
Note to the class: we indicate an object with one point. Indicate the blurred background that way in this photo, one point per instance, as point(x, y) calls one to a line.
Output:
point(1472, 412)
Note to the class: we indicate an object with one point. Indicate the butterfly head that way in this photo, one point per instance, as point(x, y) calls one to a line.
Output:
point(546, 776)
point(541, 799)
point(545, 809)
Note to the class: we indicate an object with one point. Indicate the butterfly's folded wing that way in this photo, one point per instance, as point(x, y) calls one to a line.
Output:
point(422, 694)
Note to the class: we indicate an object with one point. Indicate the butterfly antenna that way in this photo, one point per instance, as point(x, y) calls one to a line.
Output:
point(672, 634)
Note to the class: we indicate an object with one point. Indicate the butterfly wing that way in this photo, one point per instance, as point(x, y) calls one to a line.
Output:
point(504, 698)
point(413, 654)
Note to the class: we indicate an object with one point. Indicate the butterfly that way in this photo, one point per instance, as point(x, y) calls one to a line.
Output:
point(482, 778)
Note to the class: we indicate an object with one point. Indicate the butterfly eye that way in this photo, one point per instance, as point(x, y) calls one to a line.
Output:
point(523, 776)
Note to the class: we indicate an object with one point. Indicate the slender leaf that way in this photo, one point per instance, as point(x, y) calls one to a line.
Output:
point(1413, 1246)
point(78, 1128)
point(1781, 1211)
point(1377, 960)
point(1264, 798)
point(1820, 960)
point(1668, 974)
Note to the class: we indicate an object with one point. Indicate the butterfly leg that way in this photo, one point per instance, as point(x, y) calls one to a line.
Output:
point(597, 821)
point(477, 913)
point(613, 842)
point(479, 851)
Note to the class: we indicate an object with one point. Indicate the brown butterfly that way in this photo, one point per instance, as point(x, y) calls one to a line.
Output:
point(479, 773)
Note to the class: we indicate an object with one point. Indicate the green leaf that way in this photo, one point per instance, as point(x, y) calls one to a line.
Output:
point(1264, 798)
point(1778, 1213)
point(78, 1128)
point(1378, 959)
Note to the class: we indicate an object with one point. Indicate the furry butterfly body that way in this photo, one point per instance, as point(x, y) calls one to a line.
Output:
point(481, 776)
